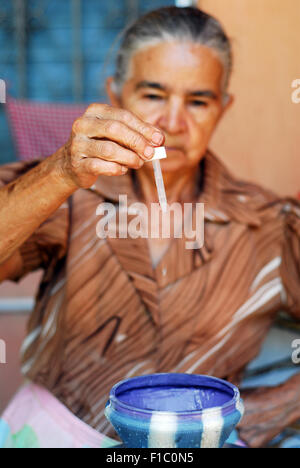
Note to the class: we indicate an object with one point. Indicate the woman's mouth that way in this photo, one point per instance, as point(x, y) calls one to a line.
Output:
point(176, 159)
point(174, 151)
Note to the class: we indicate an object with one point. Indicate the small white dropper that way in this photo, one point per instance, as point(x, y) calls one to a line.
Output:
point(160, 153)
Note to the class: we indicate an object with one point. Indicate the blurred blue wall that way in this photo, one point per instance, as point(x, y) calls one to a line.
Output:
point(48, 69)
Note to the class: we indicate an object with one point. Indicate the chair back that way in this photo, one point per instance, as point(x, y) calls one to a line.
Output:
point(39, 129)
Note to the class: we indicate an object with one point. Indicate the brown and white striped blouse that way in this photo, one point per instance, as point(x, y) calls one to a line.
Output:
point(104, 313)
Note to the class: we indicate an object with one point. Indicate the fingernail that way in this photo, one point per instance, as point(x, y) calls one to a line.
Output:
point(149, 152)
point(124, 169)
point(157, 138)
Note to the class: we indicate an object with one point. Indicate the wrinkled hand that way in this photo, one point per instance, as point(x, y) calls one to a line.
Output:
point(269, 410)
point(107, 141)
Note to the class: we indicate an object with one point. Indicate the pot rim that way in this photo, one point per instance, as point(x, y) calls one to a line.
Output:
point(232, 403)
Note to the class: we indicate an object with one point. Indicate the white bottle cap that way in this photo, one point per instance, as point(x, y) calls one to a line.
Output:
point(160, 153)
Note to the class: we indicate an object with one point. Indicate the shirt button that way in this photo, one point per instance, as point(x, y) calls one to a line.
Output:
point(287, 208)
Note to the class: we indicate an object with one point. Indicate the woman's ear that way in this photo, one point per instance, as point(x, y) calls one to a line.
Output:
point(111, 92)
point(228, 100)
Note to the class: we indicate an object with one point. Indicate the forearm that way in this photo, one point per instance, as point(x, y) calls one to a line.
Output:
point(29, 200)
point(104, 141)
point(268, 411)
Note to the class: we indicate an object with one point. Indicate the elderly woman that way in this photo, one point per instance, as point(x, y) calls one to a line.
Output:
point(109, 309)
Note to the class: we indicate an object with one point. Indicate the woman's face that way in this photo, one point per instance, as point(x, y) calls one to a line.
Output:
point(177, 87)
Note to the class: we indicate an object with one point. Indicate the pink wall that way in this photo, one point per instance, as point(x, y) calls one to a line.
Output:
point(12, 331)
point(260, 137)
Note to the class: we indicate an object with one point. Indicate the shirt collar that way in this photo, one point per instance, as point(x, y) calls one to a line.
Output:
point(226, 199)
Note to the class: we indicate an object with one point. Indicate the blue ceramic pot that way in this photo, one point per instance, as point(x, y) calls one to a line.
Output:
point(174, 411)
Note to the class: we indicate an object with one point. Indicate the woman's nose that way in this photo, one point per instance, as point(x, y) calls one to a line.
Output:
point(173, 118)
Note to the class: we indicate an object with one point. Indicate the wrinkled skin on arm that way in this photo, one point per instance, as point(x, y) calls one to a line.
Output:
point(105, 140)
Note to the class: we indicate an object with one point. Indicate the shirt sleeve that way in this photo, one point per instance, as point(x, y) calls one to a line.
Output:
point(290, 267)
point(48, 243)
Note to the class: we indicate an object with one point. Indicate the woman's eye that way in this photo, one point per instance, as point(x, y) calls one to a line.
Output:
point(199, 103)
point(153, 97)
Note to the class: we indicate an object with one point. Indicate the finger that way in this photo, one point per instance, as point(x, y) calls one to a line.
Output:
point(116, 131)
point(102, 111)
point(108, 151)
point(95, 166)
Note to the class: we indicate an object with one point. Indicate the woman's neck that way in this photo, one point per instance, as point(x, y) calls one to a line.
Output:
point(180, 186)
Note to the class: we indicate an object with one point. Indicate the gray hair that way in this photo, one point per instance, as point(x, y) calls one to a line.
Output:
point(169, 24)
